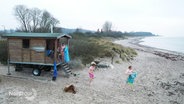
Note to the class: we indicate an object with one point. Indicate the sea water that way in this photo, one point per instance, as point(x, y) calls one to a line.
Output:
point(168, 43)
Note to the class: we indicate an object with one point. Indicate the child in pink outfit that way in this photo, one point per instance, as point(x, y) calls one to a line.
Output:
point(91, 72)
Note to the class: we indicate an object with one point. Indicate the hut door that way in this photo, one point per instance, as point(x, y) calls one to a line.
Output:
point(49, 47)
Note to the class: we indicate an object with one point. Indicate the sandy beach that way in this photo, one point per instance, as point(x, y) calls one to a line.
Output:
point(160, 80)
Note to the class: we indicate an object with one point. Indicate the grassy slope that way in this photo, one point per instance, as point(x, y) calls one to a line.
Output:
point(89, 47)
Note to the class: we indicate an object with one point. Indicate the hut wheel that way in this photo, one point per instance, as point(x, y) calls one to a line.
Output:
point(36, 71)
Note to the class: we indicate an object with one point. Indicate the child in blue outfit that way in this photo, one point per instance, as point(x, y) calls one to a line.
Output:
point(131, 75)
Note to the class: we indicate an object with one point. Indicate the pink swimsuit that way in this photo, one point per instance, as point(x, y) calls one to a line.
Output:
point(91, 69)
point(91, 75)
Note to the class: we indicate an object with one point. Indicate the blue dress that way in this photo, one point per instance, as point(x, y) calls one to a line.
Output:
point(131, 78)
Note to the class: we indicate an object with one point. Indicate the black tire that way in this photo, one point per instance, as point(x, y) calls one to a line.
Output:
point(36, 72)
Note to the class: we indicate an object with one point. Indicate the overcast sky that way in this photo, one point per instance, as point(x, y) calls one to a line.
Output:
point(162, 17)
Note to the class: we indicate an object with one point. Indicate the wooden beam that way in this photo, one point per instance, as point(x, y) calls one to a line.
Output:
point(8, 61)
point(68, 42)
point(55, 50)
point(45, 51)
point(22, 54)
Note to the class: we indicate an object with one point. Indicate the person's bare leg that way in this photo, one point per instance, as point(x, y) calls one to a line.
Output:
point(90, 81)
point(128, 86)
point(132, 88)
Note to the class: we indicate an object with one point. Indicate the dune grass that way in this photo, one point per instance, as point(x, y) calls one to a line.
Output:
point(90, 47)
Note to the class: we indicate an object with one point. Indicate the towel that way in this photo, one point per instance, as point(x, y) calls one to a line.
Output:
point(66, 55)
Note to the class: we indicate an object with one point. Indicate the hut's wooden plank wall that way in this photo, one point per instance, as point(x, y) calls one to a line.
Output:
point(37, 56)
point(15, 49)
point(19, 54)
point(26, 55)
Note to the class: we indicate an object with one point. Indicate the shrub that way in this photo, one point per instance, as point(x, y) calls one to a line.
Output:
point(90, 47)
point(125, 53)
point(83, 47)
point(87, 59)
point(76, 63)
point(117, 61)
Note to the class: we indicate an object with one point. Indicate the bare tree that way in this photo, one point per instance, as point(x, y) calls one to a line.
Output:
point(22, 14)
point(46, 21)
point(107, 26)
point(54, 21)
point(36, 18)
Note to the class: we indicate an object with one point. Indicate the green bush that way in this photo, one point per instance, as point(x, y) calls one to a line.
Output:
point(88, 47)
point(87, 59)
point(3, 51)
point(82, 46)
point(76, 64)
point(117, 61)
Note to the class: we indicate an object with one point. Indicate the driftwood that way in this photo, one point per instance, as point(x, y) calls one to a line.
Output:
point(70, 88)
point(101, 64)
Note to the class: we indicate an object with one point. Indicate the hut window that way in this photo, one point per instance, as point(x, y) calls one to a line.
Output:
point(25, 43)
point(49, 44)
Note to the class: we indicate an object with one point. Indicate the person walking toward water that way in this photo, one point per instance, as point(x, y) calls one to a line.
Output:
point(91, 72)
point(131, 76)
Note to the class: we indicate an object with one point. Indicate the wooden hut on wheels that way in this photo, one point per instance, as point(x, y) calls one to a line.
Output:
point(35, 50)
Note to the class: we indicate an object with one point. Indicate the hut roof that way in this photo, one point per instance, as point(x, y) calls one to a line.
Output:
point(37, 35)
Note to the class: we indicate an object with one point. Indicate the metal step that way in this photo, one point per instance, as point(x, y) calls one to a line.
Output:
point(66, 68)
point(69, 71)
point(64, 64)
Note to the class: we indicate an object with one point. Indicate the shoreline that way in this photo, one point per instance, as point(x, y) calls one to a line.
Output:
point(159, 49)
point(172, 55)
